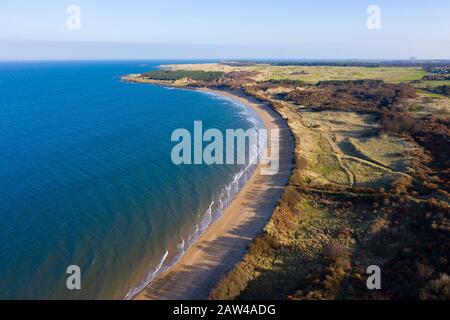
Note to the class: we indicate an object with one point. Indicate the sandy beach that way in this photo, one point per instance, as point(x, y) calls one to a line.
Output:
point(225, 242)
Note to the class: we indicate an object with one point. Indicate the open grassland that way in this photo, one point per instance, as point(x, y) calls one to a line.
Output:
point(312, 74)
point(427, 103)
point(343, 148)
point(316, 74)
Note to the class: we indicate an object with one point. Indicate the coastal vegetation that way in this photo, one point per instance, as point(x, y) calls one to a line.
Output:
point(168, 75)
point(370, 185)
point(312, 74)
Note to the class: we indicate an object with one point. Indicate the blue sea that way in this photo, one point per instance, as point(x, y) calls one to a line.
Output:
point(86, 177)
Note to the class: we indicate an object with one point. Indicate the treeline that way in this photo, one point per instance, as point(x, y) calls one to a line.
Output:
point(444, 89)
point(436, 77)
point(287, 82)
point(441, 69)
point(436, 65)
point(167, 75)
point(361, 82)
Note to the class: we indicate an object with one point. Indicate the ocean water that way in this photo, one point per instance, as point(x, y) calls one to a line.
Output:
point(86, 177)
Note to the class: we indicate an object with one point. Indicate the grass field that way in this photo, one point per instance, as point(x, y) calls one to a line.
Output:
point(316, 74)
point(313, 74)
point(341, 148)
point(431, 84)
point(429, 103)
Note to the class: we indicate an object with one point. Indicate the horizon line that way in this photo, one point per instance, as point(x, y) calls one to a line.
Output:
point(255, 60)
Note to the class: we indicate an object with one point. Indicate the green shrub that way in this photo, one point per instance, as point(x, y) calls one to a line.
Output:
point(167, 75)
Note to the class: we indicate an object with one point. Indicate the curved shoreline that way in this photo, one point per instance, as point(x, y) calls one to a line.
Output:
point(226, 241)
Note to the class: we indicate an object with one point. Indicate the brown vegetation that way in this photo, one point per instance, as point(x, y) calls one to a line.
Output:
point(361, 95)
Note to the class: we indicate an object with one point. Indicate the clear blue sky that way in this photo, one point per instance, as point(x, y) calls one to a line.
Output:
point(139, 29)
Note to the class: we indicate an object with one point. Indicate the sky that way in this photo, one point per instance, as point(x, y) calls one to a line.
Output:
point(208, 29)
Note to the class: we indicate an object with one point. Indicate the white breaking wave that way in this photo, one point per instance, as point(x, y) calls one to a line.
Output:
point(150, 277)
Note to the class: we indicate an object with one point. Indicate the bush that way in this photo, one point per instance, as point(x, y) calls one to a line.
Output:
point(167, 75)
point(401, 184)
point(438, 289)
point(290, 197)
point(444, 90)
point(302, 163)
point(335, 252)
point(287, 82)
point(259, 246)
point(402, 123)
